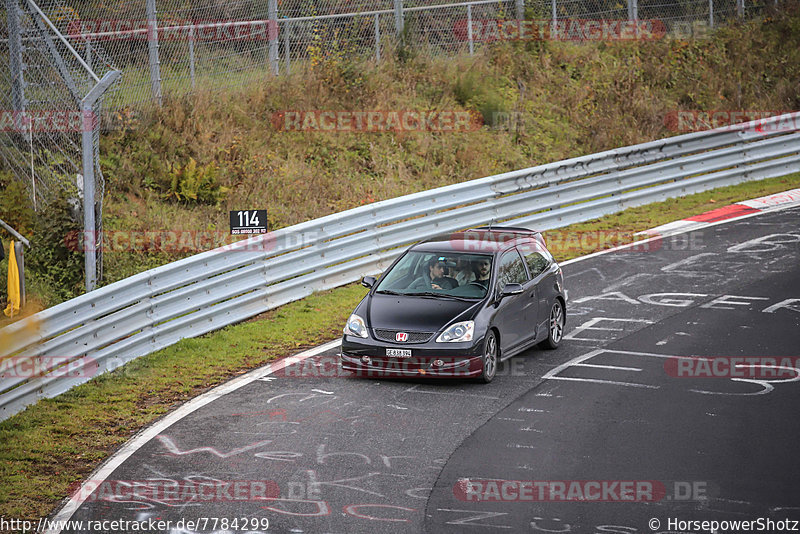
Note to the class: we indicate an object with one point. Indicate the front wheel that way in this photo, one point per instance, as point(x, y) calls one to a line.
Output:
point(489, 358)
point(555, 326)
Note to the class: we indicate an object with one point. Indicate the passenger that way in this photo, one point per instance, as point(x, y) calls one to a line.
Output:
point(465, 274)
point(434, 278)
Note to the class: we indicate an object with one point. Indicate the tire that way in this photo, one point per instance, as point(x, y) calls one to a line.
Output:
point(490, 358)
point(555, 328)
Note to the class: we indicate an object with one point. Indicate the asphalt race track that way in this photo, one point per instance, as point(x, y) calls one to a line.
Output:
point(607, 410)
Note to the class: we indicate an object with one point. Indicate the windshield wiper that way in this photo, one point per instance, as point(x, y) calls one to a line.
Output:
point(389, 292)
point(441, 295)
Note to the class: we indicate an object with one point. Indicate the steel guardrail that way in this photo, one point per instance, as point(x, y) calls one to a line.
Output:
point(102, 330)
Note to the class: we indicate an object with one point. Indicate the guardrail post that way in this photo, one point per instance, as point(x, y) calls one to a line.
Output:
point(272, 14)
point(152, 51)
point(398, 18)
point(377, 38)
point(15, 56)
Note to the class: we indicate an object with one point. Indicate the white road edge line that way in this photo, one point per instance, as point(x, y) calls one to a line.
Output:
point(150, 432)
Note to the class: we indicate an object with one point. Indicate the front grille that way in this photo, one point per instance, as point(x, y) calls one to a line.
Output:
point(413, 337)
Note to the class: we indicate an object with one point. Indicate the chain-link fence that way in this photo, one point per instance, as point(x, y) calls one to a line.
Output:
point(50, 104)
point(172, 46)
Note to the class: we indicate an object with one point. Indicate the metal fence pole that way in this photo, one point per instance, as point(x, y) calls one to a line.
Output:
point(469, 30)
point(633, 10)
point(377, 38)
point(398, 18)
point(89, 53)
point(272, 14)
point(152, 50)
point(554, 16)
point(520, 9)
point(15, 53)
point(87, 155)
point(191, 55)
point(740, 8)
point(711, 13)
point(287, 47)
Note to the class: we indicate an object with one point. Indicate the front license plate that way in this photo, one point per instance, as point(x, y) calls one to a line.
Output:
point(399, 353)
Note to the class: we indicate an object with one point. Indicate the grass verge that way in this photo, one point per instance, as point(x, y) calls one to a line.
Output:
point(60, 441)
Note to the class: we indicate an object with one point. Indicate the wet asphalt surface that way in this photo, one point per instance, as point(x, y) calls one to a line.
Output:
point(348, 455)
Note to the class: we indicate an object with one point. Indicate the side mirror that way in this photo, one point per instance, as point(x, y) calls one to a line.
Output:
point(512, 289)
point(368, 281)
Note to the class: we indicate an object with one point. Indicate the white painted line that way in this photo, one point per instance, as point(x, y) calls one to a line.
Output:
point(157, 428)
point(597, 381)
point(596, 366)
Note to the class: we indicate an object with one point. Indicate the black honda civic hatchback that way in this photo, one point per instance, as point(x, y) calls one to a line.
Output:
point(456, 305)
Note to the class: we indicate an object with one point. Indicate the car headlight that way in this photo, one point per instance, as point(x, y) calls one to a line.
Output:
point(457, 332)
point(356, 326)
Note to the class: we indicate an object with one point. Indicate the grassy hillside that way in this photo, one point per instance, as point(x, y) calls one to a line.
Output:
point(183, 167)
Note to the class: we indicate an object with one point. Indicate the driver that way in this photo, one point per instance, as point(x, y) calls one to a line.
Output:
point(483, 270)
point(434, 278)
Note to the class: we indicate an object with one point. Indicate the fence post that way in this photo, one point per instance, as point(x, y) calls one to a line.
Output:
point(740, 8)
point(191, 55)
point(633, 10)
point(287, 47)
point(152, 50)
point(87, 155)
point(469, 30)
point(554, 18)
point(711, 13)
point(520, 9)
point(377, 38)
point(15, 53)
point(272, 14)
point(398, 18)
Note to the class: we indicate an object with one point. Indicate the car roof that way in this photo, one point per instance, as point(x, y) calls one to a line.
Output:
point(483, 240)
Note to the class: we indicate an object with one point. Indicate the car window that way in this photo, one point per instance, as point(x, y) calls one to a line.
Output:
point(536, 257)
point(511, 270)
point(455, 274)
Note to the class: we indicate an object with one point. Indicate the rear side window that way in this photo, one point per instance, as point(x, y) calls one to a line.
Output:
point(511, 270)
point(536, 256)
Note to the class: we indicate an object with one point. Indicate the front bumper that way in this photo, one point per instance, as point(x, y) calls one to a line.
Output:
point(367, 357)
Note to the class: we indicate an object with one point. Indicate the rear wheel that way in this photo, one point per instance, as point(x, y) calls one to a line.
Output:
point(555, 326)
point(489, 358)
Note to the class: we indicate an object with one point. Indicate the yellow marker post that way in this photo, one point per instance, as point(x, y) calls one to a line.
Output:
point(14, 284)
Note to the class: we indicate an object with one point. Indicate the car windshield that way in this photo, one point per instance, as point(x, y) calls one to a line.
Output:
point(445, 274)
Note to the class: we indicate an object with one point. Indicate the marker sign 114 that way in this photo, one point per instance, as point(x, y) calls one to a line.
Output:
point(248, 222)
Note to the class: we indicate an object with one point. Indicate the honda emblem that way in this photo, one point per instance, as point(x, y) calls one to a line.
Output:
point(401, 336)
